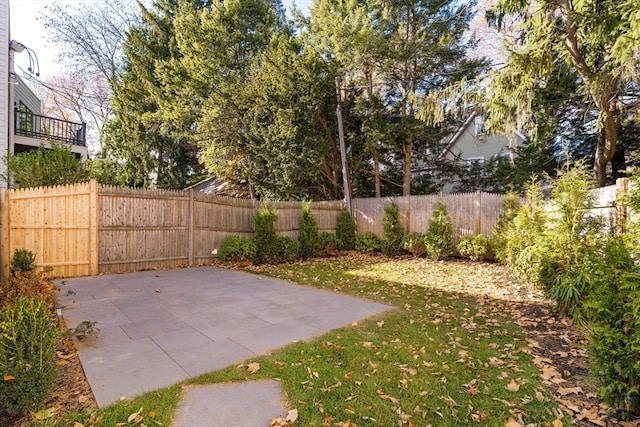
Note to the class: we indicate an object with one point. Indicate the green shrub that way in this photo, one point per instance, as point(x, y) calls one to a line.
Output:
point(613, 311)
point(308, 236)
point(392, 233)
point(27, 355)
point(414, 243)
point(237, 249)
point(475, 248)
point(265, 235)
point(368, 243)
point(328, 243)
point(288, 249)
point(520, 248)
point(346, 231)
point(23, 260)
point(439, 237)
point(510, 207)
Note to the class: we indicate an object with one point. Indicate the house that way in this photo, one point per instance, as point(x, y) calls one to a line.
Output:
point(23, 127)
point(471, 146)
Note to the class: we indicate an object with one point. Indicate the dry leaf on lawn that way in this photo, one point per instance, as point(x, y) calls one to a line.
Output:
point(253, 367)
point(569, 390)
point(292, 416)
point(511, 422)
point(387, 397)
point(513, 386)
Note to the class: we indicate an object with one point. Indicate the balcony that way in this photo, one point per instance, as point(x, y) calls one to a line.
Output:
point(32, 125)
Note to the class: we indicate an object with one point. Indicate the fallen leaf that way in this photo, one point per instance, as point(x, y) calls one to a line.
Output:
point(134, 416)
point(253, 367)
point(557, 423)
point(45, 413)
point(387, 397)
point(569, 390)
point(513, 386)
point(292, 416)
point(77, 424)
point(9, 378)
point(511, 422)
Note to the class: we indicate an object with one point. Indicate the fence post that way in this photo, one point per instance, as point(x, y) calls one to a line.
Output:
point(190, 228)
point(5, 251)
point(622, 187)
point(477, 220)
point(94, 245)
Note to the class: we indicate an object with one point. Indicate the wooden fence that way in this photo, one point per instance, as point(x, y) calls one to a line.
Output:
point(87, 229)
point(470, 213)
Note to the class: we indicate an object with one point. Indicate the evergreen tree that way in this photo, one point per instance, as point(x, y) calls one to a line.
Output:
point(138, 143)
point(592, 43)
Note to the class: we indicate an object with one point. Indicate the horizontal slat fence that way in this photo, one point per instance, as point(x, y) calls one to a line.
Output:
point(87, 229)
point(58, 224)
point(470, 213)
point(142, 229)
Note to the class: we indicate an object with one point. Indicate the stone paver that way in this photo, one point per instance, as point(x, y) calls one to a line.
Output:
point(161, 327)
point(248, 404)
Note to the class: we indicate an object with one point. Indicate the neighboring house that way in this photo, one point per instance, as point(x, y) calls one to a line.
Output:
point(472, 146)
point(22, 125)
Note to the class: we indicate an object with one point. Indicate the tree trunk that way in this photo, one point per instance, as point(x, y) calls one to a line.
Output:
point(376, 171)
point(607, 141)
point(406, 173)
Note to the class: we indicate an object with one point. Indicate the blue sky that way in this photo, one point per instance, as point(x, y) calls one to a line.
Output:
point(29, 31)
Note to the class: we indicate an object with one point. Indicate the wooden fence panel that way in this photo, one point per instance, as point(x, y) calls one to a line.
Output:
point(142, 229)
point(217, 217)
point(56, 224)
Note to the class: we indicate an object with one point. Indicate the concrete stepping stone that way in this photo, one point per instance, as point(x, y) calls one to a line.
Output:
point(246, 404)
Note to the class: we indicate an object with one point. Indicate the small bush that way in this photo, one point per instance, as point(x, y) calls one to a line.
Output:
point(23, 260)
point(237, 249)
point(439, 237)
point(346, 231)
point(475, 248)
point(288, 249)
point(265, 235)
point(510, 207)
point(26, 285)
point(614, 326)
point(27, 355)
point(368, 243)
point(328, 243)
point(392, 233)
point(308, 235)
point(414, 243)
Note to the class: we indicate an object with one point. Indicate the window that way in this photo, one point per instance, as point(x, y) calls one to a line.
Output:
point(25, 118)
point(475, 161)
point(479, 126)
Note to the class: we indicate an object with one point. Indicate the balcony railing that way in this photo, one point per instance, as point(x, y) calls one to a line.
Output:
point(49, 128)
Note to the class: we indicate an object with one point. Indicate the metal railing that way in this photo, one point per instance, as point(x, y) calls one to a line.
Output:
point(49, 128)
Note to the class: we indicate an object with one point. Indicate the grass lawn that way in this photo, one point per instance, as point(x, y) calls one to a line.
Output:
point(445, 356)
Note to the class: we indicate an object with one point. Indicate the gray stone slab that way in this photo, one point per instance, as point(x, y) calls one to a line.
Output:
point(202, 319)
point(228, 328)
point(180, 340)
point(163, 322)
point(210, 357)
point(123, 358)
point(249, 404)
point(136, 382)
point(274, 336)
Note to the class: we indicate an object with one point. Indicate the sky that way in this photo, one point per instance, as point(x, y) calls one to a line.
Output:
point(26, 29)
